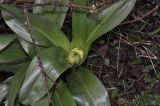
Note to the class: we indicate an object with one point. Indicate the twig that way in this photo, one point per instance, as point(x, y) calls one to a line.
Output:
point(37, 54)
point(135, 46)
point(118, 57)
point(69, 5)
point(140, 18)
point(148, 53)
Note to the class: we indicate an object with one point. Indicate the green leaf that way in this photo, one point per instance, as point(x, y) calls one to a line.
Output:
point(79, 25)
point(7, 81)
point(3, 91)
point(13, 68)
point(42, 102)
point(12, 54)
point(50, 31)
point(5, 40)
point(86, 89)
point(16, 21)
point(45, 31)
point(61, 97)
point(55, 63)
point(43, 10)
point(27, 47)
point(54, 13)
point(108, 19)
point(15, 85)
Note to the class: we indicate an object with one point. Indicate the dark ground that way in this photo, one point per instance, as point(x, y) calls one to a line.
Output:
point(127, 59)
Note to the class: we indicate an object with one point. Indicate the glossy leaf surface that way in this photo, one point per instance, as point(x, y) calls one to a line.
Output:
point(42, 102)
point(54, 13)
point(86, 89)
point(15, 85)
point(13, 68)
point(12, 54)
point(54, 62)
point(61, 97)
point(50, 31)
point(45, 31)
point(108, 19)
point(5, 40)
point(79, 25)
point(16, 21)
point(28, 47)
point(3, 91)
point(42, 10)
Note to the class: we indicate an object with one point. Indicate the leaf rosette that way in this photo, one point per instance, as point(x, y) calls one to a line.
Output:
point(58, 54)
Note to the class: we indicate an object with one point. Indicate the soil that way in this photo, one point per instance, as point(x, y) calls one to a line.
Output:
point(121, 58)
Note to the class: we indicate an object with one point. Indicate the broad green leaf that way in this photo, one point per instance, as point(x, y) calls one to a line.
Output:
point(50, 31)
point(79, 25)
point(16, 21)
point(7, 81)
point(55, 13)
point(54, 62)
point(15, 85)
point(12, 54)
point(86, 89)
point(5, 40)
point(3, 91)
point(108, 19)
point(13, 68)
point(42, 102)
point(43, 10)
point(28, 47)
point(44, 30)
point(61, 97)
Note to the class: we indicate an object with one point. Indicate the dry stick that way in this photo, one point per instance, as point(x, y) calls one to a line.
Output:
point(140, 18)
point(69, 5)
point(148, 53)
point(135, 46)
point(51, 4)
point(37, 54)
point(103, 3)
point(118, 56)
